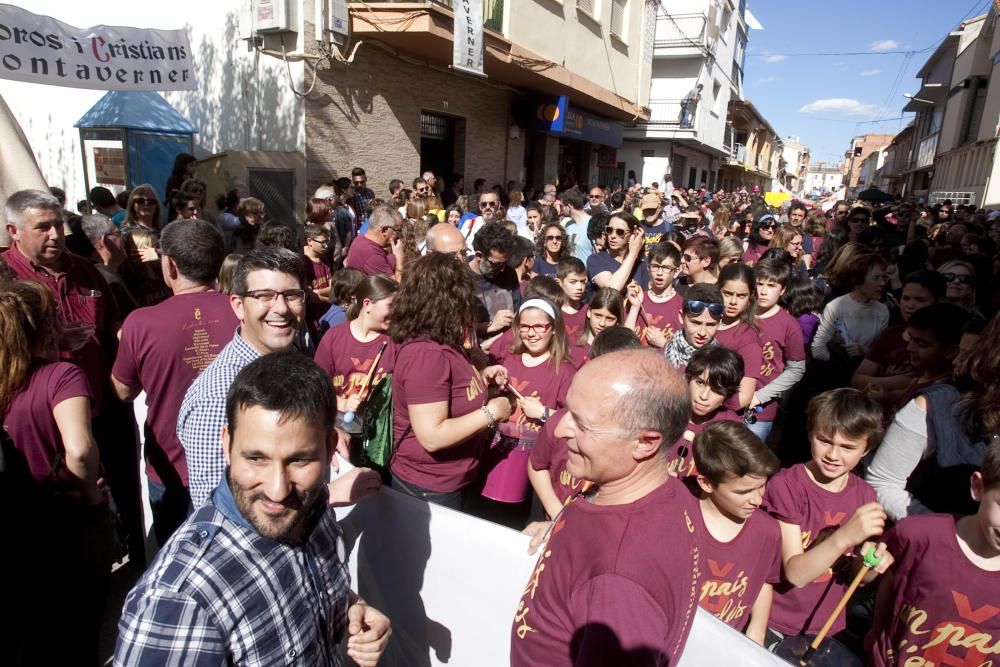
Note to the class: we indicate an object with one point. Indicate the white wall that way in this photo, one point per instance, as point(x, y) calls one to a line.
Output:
point(243, 102)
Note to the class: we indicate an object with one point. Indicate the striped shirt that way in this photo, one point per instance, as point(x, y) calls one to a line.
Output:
point(203, 414)
point(221, 594)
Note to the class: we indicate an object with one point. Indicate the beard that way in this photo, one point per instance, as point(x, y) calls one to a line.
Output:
point(281, 528)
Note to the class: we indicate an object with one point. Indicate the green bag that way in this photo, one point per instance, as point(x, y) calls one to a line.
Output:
point(376, 438)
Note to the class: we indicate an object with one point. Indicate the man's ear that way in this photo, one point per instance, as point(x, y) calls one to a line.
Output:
point(226, 444)
point(11, 230)
point(236, 302)
point(647, 444)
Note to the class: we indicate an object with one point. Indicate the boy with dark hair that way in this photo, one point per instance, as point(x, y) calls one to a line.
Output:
point(571, 274)
point(825, 512)
point(699, 261)
point(933, 335)
point(659, 305)
point(937, 605)
point(701, 314)
point(783, 350)
point(713, 375)
point(741, 546)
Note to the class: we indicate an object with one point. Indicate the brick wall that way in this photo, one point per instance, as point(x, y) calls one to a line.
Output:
point(367, 114)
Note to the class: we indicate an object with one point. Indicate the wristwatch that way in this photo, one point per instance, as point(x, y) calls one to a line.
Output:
point(545, 415)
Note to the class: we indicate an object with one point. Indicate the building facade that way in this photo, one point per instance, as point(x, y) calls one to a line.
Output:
point(823, 178)
point(793, 164)
point(753, 149)
point(861, 147)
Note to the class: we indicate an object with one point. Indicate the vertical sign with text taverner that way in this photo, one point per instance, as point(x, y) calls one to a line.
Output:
point(468, 53)
point(40, 49)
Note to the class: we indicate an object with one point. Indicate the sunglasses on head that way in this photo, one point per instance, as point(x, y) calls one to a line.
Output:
point(612, 231)
point(696, 308)
point(960, 278)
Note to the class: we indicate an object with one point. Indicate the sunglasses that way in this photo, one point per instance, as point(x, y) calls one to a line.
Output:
point(595, 196)
point(554, 238)
point(360, 184)
point(613, 231)
point(960, 278)
point(145, 201)
point(696, 308)
point(768, 225)
point(488, 204)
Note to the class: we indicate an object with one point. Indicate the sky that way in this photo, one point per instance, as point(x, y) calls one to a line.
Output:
point(827, 100)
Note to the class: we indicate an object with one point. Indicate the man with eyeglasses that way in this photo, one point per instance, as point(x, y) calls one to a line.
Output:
point(379, 251)
point(109, 257)
point(421, 187)
point(494, 283)
point(489, 211)
point(701, 315)
point(595, 200)
point(362, 196)
point(445, 238)
point(431, 180)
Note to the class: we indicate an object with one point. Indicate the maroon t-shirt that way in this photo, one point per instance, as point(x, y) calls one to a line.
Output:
point(31, 425)
point(370, 258)
point(348, 360)
point(945, 610)
point(680, 458)
point(665, 315)
point(550, 453)
point(428, 372)
point(83, 296)
point(753, 253)
point(888, 350)
point(793, 497)
point(745, 342)
point(163, 349)
point(734, 572)
point(500, 348)
point(318, 274)
point(575, 323)
point(542, 382)
point(613, 582)
point(781, 341)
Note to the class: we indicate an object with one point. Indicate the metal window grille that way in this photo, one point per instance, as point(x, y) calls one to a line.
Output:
point(586, 5)
point(433, 126)
point(618, 8)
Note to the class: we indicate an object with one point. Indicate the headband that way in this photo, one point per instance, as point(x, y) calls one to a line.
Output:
point(540, 304)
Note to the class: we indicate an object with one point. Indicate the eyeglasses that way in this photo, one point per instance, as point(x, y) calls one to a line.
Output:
point(768, 225)
point(145, 201)
point(688, 258)
point(557, 237)
point(394, 229)
point(662, 267)
point(360, 184)
point(268, 296)
point(537, 329)
point(495, 263)
point(320, 241)
point(960, 278)
point(489, 204)
point(614, 231)
point(597, 196)
point(698, 307)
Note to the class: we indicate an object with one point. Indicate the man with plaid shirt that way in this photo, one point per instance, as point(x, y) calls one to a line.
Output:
point(258, 574)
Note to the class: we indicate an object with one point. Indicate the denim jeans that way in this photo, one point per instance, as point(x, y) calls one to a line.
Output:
point(171, 506)
point(761, 429)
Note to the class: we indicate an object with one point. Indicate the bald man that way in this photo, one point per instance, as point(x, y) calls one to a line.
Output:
point(446, 238)
point(616, 582)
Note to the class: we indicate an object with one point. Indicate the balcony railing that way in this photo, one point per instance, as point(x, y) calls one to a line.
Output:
point(492, 11)
point(680, 30)
point(666, 114)
point(738, 153)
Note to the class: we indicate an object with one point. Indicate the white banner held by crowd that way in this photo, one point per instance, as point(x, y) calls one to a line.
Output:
point(468, 47)
point(40, 49)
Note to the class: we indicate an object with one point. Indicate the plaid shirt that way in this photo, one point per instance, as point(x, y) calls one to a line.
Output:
point(221, 594)
point(359, 204)
point(203, 414)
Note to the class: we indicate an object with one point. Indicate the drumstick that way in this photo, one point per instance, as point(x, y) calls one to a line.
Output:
point(514, 391)
point(870, 561)
point(349, 417)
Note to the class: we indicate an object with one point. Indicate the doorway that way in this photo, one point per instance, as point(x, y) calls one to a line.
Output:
point(437, 144)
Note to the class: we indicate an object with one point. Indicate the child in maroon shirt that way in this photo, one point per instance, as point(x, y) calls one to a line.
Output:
point(713, 376)
point(932, 338)
point(741, 547)
point(825, 512)
point(938, 603)
point(571, 275)
point(659, 306)
point(738, 330)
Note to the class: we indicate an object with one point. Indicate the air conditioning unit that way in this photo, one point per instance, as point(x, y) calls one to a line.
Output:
point(271, 16)
point(333, 21)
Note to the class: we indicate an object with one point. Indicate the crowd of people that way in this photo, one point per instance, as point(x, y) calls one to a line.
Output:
point(686, 398)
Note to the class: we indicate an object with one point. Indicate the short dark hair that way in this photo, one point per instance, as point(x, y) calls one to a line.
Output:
point(595, 227)
point(395, 184)
point(661, 251)
point(802, 296)
point(101, 196)
point(773, 269)
point(493, 236)
point(703, 247)
point(268, 258)
point(858, 267)
point(285, 382)
point(797, 205)
point(570, 266)
point(358, 171)
point(726, 448)
point(704, 292)
point(946, 322)
point(613, 339)
point(178, 199)
point(848, 411)
point(522, 249)
point(725, 369)
point(545, 287)
point(196, 247)
point(574, 198)
point(932, 281)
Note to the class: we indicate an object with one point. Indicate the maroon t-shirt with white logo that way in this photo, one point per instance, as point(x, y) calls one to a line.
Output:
point(348, 360)
point(613, 582)
point(370, 258)
point(428, 372)
point(745, 342)
point(163, 349)
point(30, 424)
point(945, 610)
point(542, 382)
point(664, 315)
point(734, 572)
point(781, 341)
point(680, 458)
point(793, 497)
point(575, 323)
point(550, 453)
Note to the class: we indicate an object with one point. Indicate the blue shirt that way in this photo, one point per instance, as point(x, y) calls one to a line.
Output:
point(219, 593)
point(600, 262)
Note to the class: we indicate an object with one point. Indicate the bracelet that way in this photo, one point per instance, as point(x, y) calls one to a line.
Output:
point(491, 422)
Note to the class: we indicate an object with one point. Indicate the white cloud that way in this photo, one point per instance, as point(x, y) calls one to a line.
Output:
point(841, 105)
point(884, 45)
point(765, 80)
point(871, 72)
point(773, 58)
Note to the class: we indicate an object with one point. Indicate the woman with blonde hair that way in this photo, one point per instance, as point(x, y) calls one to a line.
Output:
point(144, 210)
point(960, 277)
point(720, 222)
point(790, 239)
point(730, 251)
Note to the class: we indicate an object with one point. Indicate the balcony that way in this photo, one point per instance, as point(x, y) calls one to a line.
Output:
point(492, 10)
point(680, 34)
point(665, 115)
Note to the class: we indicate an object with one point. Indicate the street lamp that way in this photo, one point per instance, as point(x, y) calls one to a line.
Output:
point(917, 99)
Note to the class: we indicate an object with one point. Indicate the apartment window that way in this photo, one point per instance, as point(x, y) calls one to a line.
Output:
point(588, 7)
point(618, 8)
point(727, 15)
point(975, 116)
